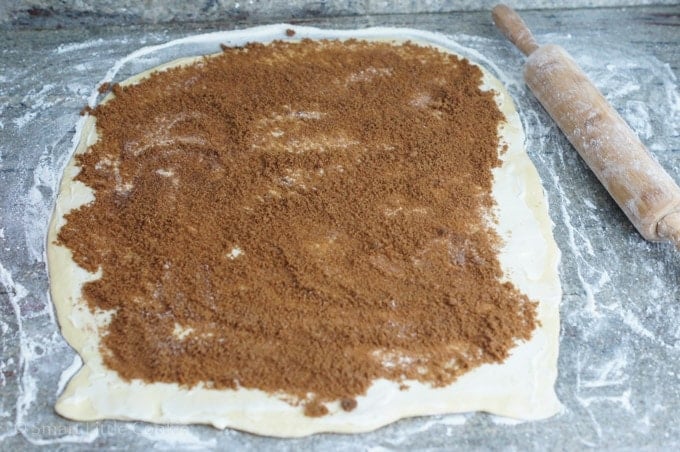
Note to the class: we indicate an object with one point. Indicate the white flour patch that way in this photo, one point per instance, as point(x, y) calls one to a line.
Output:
point(24, 119)
point(27, 394)
point(37, 100)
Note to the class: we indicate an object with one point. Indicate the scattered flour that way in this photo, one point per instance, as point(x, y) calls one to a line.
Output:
point(597, 373)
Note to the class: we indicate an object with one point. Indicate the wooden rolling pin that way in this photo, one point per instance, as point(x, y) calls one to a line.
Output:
point(640, 186)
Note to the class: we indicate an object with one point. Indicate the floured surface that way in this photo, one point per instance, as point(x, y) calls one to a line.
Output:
point(521, 387)
point(619, 356)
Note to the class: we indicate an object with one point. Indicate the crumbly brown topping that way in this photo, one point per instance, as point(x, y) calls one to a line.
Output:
point(301, 218)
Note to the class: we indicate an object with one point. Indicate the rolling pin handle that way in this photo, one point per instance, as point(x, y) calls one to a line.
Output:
point(514, 28)
point(669, 228)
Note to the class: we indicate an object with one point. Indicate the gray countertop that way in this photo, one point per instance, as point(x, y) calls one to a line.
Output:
point(619, 365)
point(69, 13)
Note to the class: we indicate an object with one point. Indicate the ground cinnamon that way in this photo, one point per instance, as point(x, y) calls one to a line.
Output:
point(302, 218)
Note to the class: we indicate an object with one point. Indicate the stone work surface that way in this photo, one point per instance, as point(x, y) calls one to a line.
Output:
point(48, 13)
point(619, 365)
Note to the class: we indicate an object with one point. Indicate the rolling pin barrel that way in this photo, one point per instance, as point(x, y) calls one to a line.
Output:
point(636, 181)
point(640, 186)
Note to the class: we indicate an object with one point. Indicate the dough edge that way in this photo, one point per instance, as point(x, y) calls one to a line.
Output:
point(521, 388)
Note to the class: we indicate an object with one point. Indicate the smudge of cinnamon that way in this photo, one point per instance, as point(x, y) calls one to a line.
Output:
point(348, 404)
point(86, 110)
point(290, 32)
point(315, 408)
point(104, 87)
point(301, 218)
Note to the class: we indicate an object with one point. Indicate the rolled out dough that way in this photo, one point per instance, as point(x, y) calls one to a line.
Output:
point(522, 387)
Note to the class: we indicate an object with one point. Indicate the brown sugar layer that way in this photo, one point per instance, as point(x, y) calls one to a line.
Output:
point(300, 218)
